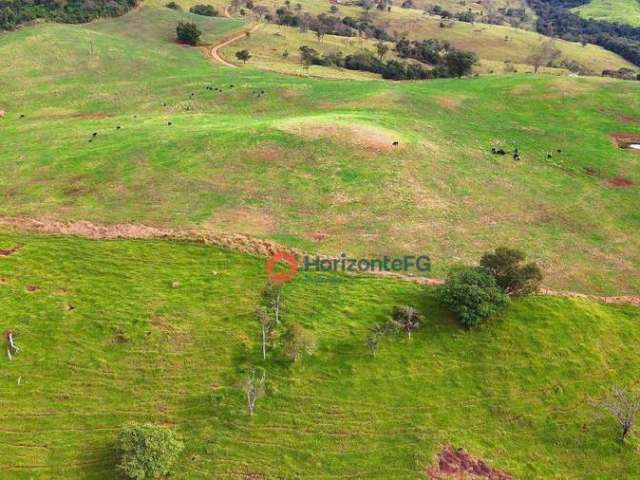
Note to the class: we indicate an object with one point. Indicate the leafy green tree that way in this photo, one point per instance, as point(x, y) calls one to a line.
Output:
point(243, 55)
point(511, 273)
point(173, 6)
point(473, 295)
point(459, 62)
point(188, 32)
point(147, 451)
point(206, 10)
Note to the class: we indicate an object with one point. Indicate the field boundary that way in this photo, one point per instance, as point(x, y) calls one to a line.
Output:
point(235, 242)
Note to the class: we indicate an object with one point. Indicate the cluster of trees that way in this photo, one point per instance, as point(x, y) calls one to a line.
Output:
point(454, 63)
point(555, 19)
point(475, 294)
point(324, 24)
point(448, 61)
point(204, 9)
point(15, 12)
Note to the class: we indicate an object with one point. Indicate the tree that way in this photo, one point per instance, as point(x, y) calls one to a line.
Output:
point(147, 451)
point(260, 11)
point(173, 6)
point(188, 32)
point(267, 324)
point(511, 274)
point(273, 298)
point(545, 55)
point(206, 10)
point(624, 406)
point(243, 55)
point(405, 318)
point(472, 294)
point(254, 388)
point(382, 49)
point(459, 62)
point(298, 341)
point(373, 339)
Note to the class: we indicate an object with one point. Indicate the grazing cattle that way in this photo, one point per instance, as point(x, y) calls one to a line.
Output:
point(169, 123)
point(118, 127)
point(500, 152)
point(22, 115)
point(516, 156)
point(94, 134)
point(549, 155)
point(559, 151)
point(396, 143)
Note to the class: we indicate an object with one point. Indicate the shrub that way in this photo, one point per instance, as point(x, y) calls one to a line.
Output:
point(188, 32)
point(147, 451)
point(206, 10)
point(173, 6)
point(298, 341)
point(472, 294)
point(511, 274)
point(406, 319)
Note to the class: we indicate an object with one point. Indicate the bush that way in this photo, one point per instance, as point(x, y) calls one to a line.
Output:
point(173, 6)
point(511, 274)
point(206, 10)
point(188, 32)
point(147, 451)
point(298, 341)
point(473, 295)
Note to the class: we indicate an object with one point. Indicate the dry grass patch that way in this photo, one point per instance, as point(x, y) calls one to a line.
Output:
point(368, 137)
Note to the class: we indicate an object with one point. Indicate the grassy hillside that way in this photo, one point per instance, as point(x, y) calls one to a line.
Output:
point(310, 163)
point(158, 331)
point(620, 11)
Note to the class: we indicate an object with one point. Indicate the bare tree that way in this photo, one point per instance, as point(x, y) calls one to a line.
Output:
point(273, 298)
point(266, 325)
point(624, 406)
point(405, 318)
point(12, 348)
point(545, 55)
point(253, 388)
point(382, 49)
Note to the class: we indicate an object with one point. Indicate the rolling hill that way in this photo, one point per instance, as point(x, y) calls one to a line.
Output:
point(161, 331)
point(614, 11)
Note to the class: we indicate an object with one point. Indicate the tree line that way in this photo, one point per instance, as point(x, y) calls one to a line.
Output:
point(556, 20)
point(16, 12)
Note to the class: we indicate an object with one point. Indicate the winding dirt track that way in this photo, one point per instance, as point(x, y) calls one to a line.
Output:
point(214, 50)
point(231, 241)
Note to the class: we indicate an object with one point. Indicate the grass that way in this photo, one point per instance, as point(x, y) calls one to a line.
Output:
point(231, 162)
point(163, 331)
point(619, 11)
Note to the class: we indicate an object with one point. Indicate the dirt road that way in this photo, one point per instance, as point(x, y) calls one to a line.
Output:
point(214, 51)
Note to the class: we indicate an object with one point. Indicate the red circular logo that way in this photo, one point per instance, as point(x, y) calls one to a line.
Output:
point(282, 257)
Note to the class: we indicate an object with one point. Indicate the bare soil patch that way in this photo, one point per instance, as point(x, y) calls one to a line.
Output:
point(9, 251)
point(624, 140)
point(620, 182)
point(454, 463)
